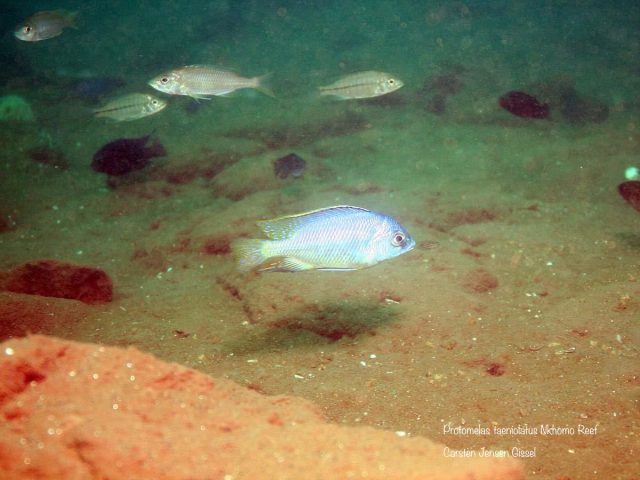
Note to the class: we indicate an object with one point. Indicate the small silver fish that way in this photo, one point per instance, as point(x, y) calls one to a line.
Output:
point(45, 25)
point(367, 84)
point(337, 238)
point(130, 107)
point(202, 81)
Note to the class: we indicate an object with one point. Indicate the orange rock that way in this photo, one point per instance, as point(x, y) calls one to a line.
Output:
point(82, 411)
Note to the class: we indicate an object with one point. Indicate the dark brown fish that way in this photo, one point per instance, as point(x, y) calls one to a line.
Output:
point(524, 105)
point(630, 191)
point(126, 155)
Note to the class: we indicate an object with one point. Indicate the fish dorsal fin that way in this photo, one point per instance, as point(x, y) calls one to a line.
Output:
point(283, 227)
point(210, 67)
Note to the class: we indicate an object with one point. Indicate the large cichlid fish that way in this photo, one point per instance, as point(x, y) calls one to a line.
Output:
point(335, 238)
point(203, 81)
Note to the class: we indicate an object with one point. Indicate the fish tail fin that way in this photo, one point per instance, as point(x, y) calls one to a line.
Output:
point(249, 253)
point(263, 85)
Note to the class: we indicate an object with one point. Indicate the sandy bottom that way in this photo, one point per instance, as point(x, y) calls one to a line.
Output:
point(524, 317)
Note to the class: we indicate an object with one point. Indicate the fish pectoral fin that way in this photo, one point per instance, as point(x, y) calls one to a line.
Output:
point(284, 264)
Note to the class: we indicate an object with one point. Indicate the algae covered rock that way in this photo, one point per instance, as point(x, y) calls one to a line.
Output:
point(15, 109)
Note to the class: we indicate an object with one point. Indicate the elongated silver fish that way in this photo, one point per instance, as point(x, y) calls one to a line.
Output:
point(367, 84)
point(130, 107)
point(202, 81)
point(45, 25)
point(336, 238)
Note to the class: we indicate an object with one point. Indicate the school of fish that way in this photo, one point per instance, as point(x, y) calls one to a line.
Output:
point(338, 238)
point(197, 81)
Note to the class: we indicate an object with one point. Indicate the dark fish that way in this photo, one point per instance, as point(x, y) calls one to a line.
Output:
point(126, 155)
point(289, 165)
point(630, 191)
point(92, 89)
point(524, 105)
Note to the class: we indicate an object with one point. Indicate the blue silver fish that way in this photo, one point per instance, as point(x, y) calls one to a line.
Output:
point(336, 238)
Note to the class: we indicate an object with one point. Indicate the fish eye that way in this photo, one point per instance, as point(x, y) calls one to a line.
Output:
point(391, 81)
point(398, 239)
point(154, 103)
point(27, 29)
point(164, 80)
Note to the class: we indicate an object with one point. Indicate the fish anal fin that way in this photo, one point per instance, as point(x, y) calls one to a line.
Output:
point(284, 264)
point(197, 97)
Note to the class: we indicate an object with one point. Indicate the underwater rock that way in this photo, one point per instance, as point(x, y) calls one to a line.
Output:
point(50, 278)
point(437, 104)
point(48, 156)
point(91, 411)
point(289, 166)
point(445, 84)
point(15, 109)
point(630, 191)
point(440, 87)
point(561, 94)
point(581, 110)
point(524, 105)
point(126, 155)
